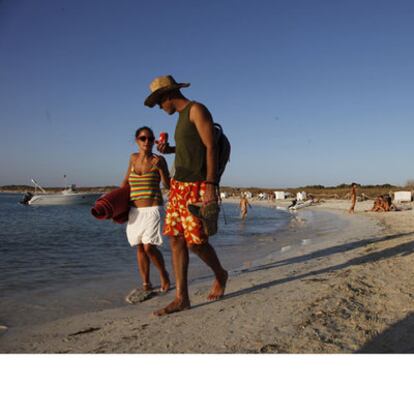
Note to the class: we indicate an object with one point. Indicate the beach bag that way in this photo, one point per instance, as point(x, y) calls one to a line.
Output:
point(224, 149)
point(208, 214)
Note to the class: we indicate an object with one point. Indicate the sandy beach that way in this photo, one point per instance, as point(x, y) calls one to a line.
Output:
point(345, 289)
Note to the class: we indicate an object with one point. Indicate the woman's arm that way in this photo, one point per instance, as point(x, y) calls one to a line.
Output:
point(162, 167)
point(125, 180)
point(165, 174)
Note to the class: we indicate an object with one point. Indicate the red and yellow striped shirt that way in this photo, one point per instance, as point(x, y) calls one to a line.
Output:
point(145, 186)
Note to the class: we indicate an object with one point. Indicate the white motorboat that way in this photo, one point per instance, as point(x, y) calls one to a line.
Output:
point(300, 204)
point(66, 197)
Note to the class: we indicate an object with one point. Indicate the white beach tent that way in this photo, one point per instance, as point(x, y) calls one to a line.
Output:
point(400, 196)
point(301, 196)
point(280, 195)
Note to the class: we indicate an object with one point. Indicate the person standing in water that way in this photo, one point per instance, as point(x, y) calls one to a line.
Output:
point(144, 175)
point(194, 181)
point(244, 205)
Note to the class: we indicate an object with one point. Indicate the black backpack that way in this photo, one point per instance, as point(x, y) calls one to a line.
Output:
point(224, 149)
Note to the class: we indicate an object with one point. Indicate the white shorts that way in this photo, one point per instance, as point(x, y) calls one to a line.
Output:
point(144, 225)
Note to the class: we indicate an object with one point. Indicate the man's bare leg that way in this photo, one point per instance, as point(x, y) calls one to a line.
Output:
point(208, 255)
point(156, 257)
point(180, 261)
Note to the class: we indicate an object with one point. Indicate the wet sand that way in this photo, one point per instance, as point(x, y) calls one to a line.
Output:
point(345, 286)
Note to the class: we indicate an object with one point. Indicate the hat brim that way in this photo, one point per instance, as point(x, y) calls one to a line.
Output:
point(154, 98)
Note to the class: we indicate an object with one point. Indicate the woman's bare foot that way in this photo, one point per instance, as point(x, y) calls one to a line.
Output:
point(147, 287)
point(219, 285)
point(177, 305)
point(165, 283)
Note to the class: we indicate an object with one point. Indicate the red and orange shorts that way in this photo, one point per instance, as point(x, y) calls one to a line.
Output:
point(178, 220)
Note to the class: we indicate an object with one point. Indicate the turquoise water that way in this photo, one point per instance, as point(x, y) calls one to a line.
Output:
point(60, 259)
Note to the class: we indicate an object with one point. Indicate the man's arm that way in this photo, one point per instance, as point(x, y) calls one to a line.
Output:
point(201, 118)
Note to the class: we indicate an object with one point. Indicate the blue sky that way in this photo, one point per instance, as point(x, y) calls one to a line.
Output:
point(309, 92)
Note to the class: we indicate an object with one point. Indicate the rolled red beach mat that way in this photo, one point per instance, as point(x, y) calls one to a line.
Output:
point(122, 217)
point(101, 210)
point(113, 205)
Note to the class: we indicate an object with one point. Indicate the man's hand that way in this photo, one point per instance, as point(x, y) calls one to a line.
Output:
point(164, 148)
point(210, 194)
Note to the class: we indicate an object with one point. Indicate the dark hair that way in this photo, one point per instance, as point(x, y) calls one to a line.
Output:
point(139, 130)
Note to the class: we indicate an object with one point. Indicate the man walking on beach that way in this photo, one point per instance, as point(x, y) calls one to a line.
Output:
point(194, 181)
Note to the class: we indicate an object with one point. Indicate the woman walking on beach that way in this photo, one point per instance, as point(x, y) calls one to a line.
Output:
point(144, 175)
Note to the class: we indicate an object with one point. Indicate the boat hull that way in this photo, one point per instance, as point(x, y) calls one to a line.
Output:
point(63, 199)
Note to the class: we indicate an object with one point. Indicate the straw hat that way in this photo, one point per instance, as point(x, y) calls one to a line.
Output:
point(161, 85)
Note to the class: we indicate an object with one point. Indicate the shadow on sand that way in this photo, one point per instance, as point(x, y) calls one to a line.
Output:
point(398, 339)
point(326, 252)
point(403, 249)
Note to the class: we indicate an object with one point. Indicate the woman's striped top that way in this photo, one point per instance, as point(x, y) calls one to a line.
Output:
point(145, 186)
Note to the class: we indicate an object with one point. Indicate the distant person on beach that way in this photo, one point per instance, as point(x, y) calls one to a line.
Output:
point(144, 175)
point(353, 198)
point(194, 181)
point(383, 203)
point(244, 205)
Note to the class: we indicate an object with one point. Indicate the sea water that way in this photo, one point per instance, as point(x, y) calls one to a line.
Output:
point(60, 260)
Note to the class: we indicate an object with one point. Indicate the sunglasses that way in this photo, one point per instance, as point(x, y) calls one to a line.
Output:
point(144, 138)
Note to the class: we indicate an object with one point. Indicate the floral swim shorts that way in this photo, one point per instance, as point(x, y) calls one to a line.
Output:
point(178, 220)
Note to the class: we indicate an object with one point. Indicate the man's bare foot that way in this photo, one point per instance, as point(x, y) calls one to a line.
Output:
point(177, 305)
point(219, 285)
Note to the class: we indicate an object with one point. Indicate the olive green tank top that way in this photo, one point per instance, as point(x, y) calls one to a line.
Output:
point(190, 152)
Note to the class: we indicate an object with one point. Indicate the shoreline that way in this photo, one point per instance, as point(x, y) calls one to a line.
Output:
point(30, 303)
point(336, 294)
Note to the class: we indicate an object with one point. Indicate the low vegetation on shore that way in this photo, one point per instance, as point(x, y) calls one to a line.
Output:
point(341, 191)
